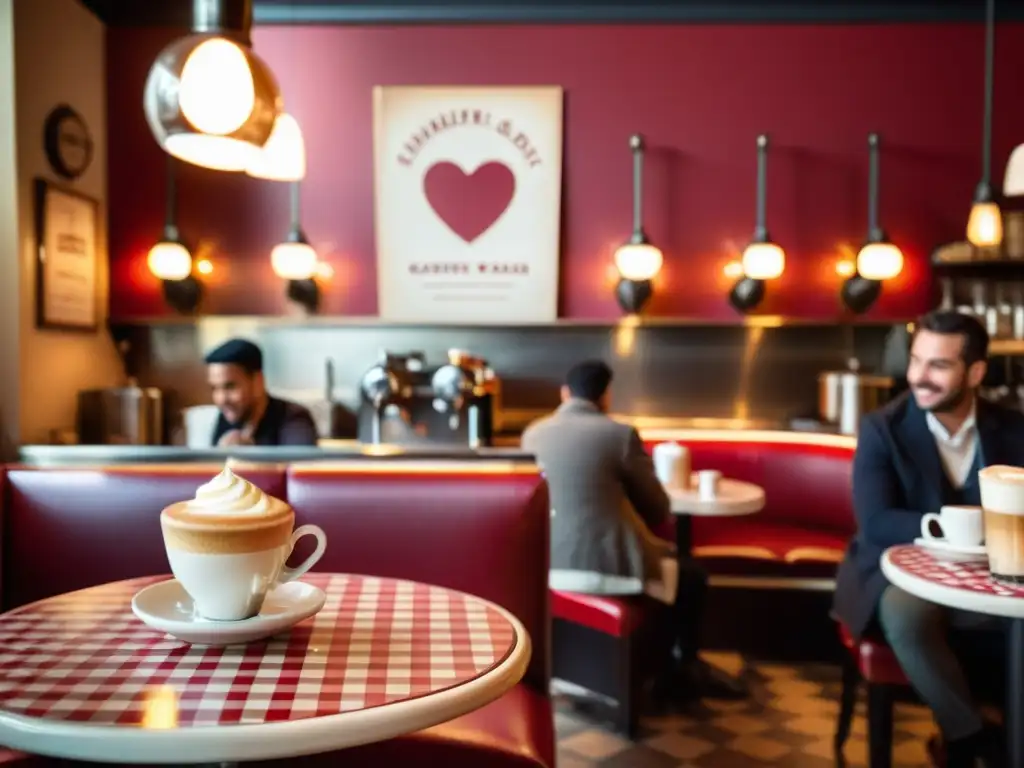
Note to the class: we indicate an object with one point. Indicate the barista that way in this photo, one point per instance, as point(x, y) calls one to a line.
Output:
point(248, 415)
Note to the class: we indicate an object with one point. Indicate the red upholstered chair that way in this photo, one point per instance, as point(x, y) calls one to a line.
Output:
point(872, 661)
point(598, 643)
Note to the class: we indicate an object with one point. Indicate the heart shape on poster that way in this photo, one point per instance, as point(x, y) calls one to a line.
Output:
point(469, 204)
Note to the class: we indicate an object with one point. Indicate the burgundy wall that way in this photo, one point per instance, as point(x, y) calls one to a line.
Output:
point(699, 93)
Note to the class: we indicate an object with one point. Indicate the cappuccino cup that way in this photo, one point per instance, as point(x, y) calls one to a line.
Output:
point(228, 546)
point(959, 526)
point(1002, 499)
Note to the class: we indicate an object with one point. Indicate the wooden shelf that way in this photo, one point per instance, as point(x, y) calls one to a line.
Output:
point(1006, 347)
point(1003, 268)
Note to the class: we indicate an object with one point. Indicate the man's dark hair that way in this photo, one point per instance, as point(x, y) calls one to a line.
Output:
point(589, 380)
point(240, 352)
point(950, 322)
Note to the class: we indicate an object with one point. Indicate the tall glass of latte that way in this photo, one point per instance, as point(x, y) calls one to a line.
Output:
point(1002, 499)
point(228, 546)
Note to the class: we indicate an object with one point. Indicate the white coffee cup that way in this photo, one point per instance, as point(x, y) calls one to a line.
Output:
point(672, 465)
point(707, 484)
point(233, 586)
point(961, 526)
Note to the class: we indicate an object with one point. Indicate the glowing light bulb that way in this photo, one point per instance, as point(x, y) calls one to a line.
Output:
point(169, 261)
point(879, 261)
point(638, 261)
point(985, 225)
point(283, 157)
point(294, 261)
point(217, 93)
point(763, 261)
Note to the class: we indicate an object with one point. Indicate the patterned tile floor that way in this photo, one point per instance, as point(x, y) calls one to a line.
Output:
point(788, 721)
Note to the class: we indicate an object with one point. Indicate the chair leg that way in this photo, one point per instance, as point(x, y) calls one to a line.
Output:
point(880, 705)
point(627, 714)
point(847, 702)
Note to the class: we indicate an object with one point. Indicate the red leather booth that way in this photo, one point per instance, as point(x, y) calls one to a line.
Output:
point(803, 530)
point(480, 528)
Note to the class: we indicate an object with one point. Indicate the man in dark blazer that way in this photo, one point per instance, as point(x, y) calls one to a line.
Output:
point(606, 503)
point(920, 452)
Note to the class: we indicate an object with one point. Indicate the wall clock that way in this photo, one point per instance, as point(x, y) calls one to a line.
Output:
point(67, 142)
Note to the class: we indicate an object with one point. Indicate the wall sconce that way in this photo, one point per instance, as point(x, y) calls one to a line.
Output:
point(169, 260)
point(879, 259)
point(296, 261)
point(762, 259)
point(638, 262)
point(985, 224)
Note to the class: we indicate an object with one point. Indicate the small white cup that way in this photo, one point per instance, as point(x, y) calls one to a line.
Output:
point(960, 526)
point(232, 587)
point(707, 484)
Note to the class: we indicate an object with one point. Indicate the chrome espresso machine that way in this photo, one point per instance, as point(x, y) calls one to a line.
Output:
point(405, 402)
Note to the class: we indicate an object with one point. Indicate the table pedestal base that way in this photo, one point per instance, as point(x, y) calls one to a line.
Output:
point(1015, 694)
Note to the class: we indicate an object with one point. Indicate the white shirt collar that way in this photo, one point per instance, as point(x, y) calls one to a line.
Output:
point(958, 438)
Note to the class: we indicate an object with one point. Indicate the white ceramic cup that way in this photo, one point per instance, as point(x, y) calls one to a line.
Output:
point(707, 484)
point(232, 587)
point(672, 465)
point(961, 526)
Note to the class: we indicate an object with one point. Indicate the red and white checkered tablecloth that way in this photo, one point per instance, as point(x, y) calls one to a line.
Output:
point(971, 576)
point(85, 657)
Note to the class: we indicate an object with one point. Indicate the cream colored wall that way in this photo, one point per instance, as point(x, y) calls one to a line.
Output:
point(9, 273)
point(58, 58)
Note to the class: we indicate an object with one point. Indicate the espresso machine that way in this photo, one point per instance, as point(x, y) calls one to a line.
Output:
point(388, 391)
point(466, 390)
point(403, 401)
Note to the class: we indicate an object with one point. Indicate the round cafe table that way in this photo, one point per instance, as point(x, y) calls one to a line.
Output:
point(970, 587)
point(733, 499)
point(82, 678)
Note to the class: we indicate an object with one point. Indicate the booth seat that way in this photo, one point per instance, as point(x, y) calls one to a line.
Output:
point(803, 530)
point(477, 527)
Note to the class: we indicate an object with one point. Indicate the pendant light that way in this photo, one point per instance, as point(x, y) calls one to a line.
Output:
point(170, 260)
point(295, 260)
point(985, 224)
point(879, 259)
point(638, 262)
point(209, 99)
point(283, 157)
point(762, 259)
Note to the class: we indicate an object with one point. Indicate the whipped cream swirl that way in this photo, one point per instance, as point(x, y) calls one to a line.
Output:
point(228, 493)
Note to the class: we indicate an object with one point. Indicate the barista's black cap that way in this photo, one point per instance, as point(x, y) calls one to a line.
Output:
point(240, 352)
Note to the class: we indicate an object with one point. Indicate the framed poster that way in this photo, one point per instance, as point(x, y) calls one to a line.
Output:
point(468, 195)
point(66, 271)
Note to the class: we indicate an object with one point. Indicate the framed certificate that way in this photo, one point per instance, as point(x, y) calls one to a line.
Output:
point(66, 270)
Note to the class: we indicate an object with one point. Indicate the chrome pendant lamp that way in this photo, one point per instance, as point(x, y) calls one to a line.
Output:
point(209, 100)
point(296, 261)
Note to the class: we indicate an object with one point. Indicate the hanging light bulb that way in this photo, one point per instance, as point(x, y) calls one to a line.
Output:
point(879, 259)
point(985, 223)
point(637, 261)
point(762, 259)
point(296, 261)
point(283, 157)
point(169, 260)
point(210, 100)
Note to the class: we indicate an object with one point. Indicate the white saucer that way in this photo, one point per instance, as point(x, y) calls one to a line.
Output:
point(943, 550)
point(167, 607)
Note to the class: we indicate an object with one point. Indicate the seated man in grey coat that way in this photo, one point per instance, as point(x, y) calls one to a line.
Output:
point(605, 502)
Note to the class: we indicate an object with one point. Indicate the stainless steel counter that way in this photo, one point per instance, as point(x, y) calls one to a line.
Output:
point(97, 455)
